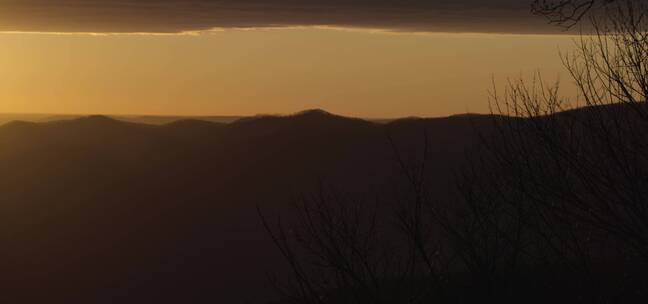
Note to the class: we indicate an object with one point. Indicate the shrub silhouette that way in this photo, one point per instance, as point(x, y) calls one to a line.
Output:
point(553, 208)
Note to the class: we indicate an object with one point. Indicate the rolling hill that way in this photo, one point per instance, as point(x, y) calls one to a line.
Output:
point(99, 210)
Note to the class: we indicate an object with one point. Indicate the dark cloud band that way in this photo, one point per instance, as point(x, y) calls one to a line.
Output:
point(172, 16)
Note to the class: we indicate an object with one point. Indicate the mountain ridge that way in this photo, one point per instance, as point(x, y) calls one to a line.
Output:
point(306, 116)
point(168, 214)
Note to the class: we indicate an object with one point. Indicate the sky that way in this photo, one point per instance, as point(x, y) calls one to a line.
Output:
point(379, 58)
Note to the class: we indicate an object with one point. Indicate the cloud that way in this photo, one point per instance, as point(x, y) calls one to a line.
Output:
point(174, 16)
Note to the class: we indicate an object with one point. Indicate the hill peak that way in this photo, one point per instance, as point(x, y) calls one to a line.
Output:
point(17, 124)
point(97, 121)
point(314, 112)
point(324, 118)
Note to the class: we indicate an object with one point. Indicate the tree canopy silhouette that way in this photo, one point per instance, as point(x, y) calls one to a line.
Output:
point(555, 204)
point(566, 12)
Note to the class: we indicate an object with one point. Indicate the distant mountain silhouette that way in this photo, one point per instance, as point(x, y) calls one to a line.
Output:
point(98, 210)
point(142, 119)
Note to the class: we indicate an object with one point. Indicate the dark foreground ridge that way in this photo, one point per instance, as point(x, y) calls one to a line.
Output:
point(97, 210)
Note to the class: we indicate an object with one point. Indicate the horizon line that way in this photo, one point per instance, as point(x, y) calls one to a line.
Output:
point(238, 115)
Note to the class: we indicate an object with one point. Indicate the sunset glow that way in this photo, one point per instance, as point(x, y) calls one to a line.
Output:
point(366, 73)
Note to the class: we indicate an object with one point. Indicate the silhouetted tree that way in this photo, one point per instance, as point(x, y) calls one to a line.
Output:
point(567, 13)
point(588, 165)
point(341, 250)
point(572, 176)
point(564, 184)
point(557, 197)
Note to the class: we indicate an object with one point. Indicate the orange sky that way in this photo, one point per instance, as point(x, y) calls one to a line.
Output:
point(243, 72)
